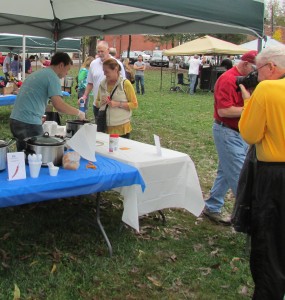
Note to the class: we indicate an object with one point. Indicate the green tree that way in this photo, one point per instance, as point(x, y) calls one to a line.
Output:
point(274, 13)
point(175, 39)
point(232, 38)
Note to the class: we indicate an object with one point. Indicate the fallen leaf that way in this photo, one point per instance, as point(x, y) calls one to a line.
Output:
point(215, 252)
point(154, 281)
point(234, 268)
point(4, 254)
point(17, 293)
point(33, 263)
point(173, 257)
point(198, 247)
point(134, 270)
point(225, 286)
point(243, 290)
point(53, 268)
point(5, 236)
point(25, 257)
point(141, 253)
point(6, 266)
point(205, 271)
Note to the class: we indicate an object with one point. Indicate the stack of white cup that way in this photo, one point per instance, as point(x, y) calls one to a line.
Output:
point(35, 163)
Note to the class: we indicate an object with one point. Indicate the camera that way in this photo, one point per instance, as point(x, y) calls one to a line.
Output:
point(250, 81)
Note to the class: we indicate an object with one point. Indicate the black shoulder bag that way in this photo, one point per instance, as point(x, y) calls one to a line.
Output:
point(102, 116)
point(241, 215)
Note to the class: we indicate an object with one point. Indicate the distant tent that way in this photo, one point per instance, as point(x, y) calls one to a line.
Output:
point(14, 43)
point(268, 41)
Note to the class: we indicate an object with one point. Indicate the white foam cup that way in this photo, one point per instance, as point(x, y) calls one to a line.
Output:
point(35, 167)
point(53, 171)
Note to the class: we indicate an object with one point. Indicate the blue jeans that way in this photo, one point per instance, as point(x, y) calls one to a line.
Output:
point(139, 80)
point(192, 80)
point(231, 150)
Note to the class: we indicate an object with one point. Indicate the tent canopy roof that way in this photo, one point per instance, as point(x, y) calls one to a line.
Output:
point(253, 45)
point(57, 19)
point(14, 43)
point(206, 45)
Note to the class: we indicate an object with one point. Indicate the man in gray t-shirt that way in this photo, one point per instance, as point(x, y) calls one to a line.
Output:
point(139, 66)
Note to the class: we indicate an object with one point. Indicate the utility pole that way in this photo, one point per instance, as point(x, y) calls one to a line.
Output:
point(272, 25)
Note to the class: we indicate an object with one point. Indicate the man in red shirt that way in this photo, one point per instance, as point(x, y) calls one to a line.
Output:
point(230, 146)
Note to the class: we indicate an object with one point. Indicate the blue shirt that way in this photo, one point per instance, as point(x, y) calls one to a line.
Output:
point(34, 94)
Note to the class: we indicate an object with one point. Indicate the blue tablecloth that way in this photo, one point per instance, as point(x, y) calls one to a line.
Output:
point(7, 100)
point(10, 99)
point(108, 175)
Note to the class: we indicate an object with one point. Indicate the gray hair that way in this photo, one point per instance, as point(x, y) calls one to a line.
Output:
point(275, 54)
point(103, 43)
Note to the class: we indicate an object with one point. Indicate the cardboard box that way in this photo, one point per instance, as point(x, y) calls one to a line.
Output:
point(8, 90)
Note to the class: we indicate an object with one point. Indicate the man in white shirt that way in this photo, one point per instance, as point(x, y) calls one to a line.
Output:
point(96, 74)
point(7, 65)
point(194, 65)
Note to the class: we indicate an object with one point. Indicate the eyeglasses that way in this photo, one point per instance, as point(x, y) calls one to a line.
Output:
point(256, 69)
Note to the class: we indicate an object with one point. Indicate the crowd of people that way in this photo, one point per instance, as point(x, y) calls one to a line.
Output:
point(243, 116)
point(13, 65)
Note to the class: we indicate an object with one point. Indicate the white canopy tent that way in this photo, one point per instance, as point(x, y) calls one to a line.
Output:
point(267, 41)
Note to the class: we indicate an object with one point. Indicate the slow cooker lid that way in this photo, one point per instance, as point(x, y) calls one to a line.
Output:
point(45, 140)
point(77, 122)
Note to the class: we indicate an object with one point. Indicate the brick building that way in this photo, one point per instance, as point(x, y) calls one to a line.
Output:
point(139, 42)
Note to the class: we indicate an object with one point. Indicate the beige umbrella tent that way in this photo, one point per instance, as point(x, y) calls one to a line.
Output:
point(206, 45)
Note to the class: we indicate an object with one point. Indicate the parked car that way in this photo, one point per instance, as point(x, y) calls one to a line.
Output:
point(148, 52)
point(132, 58)
point(146, 57)
point(159, 60)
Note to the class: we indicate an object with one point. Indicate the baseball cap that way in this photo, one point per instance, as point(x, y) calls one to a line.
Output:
point(249, 56)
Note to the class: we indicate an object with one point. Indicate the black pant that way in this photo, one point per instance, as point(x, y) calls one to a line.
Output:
point(267, 258)
point(21, 130)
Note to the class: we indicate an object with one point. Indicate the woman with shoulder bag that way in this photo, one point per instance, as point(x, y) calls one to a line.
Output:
point(117, 98)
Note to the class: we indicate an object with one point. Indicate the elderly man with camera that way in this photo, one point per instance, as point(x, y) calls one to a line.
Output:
point(230, 146)
point(263, 123)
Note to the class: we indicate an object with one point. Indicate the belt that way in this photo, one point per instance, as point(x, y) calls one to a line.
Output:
point(226, 125)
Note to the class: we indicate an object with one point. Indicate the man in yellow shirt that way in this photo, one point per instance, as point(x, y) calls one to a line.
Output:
point(263, 123)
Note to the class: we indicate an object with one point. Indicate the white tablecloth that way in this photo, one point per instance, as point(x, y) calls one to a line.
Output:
point(171, 179)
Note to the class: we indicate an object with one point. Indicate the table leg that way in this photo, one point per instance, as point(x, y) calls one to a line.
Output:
point(98, 197)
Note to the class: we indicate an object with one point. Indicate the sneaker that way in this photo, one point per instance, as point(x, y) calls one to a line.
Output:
point(217, 217)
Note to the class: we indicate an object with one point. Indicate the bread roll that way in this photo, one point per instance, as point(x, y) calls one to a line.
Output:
point(71, 161)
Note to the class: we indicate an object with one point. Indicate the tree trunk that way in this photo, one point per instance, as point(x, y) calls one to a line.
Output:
point(129, 46)
point(92, 46)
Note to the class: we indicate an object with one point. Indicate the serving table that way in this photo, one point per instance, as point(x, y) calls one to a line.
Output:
point(171, 179)
point(108, 174)
point(10, 99)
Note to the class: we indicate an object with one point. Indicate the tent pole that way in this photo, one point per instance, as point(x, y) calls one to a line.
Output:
point(161, 77)
point(259, 44)
point(24, 58)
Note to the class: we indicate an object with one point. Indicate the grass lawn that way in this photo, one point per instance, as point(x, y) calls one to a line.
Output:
point(47, 251)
